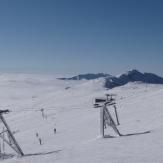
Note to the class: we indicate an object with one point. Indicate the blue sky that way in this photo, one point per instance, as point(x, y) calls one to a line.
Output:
point(79, 36)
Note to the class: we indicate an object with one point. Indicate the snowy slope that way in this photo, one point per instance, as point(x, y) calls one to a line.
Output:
point(68, 108)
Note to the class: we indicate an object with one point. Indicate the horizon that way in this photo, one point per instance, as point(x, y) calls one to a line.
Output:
point(75, 37)
point(71, 75)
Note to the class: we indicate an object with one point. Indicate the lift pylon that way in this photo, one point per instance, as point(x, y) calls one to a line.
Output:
point(106, 119)
point(11, 141)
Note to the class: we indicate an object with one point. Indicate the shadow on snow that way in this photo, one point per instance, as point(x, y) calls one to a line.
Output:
point(132, 134)
point(42, 153)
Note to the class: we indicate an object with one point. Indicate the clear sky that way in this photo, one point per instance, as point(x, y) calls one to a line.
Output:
point(79, 36)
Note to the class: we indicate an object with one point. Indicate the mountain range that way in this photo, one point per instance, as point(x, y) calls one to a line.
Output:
point(114, 81)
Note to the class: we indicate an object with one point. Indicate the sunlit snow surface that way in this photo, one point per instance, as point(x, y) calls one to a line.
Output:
point(68, 108)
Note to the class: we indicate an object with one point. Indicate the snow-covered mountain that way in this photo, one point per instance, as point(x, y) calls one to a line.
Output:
point(89, 76)
point(114, 81)
point(133, 76)
point(71, 112)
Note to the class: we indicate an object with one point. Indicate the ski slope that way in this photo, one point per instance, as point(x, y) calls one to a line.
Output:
point(68, 108)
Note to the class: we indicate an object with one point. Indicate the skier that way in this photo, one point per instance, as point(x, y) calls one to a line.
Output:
point(55, 130)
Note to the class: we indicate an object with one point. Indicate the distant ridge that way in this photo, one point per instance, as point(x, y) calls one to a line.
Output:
point(89, 76)
point(133, 76)
point(129, 76)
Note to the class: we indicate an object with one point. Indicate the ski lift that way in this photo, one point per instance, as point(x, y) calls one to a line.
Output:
point(105, 116)
point(13, 143)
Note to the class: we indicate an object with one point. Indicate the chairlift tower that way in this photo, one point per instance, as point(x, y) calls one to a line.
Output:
point(106, 119)
point(12, 141)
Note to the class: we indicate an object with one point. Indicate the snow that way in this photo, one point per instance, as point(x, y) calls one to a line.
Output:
point(71, 112)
